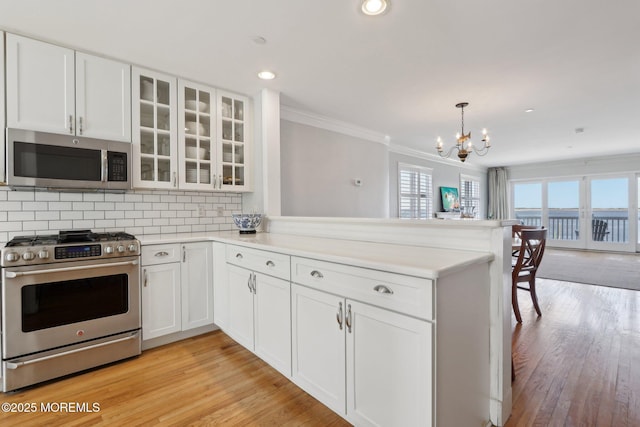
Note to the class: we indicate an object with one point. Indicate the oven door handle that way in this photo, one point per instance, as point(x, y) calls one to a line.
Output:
point(14, 274)
point(16, 365)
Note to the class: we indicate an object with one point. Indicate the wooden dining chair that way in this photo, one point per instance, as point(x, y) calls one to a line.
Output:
point(516, 234)
point(525, 267)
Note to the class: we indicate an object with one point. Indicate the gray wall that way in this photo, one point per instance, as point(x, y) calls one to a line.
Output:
point(318, 170)
point(318, 167)
point(444, 175)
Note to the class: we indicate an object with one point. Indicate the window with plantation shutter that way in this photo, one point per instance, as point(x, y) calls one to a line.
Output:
point(470, 194)
point(415, 192)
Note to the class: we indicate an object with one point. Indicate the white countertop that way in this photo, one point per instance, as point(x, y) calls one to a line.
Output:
point(403, 259)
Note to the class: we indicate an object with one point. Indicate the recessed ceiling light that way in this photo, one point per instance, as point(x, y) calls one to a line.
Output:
point(266, 75)
point(528, 110)
point(374, 7)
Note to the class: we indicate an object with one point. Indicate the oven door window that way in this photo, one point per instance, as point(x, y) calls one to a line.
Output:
point(48, 305)
point(54, 162)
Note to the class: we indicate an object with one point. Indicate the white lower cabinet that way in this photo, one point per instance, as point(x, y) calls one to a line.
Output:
point(177, 288)
point(371, 365)
point(259, 309)
point(161, 309)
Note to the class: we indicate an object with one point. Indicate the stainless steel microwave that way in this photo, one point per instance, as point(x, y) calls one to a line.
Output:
point(48, 160)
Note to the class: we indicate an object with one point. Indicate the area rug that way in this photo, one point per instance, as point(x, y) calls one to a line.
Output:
point(594, 268)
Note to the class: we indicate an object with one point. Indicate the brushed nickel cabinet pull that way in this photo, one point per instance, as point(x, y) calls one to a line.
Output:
point(339, 315)
point(316, 274)
point(382, 289)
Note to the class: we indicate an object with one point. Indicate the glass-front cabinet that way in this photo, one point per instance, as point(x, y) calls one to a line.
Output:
point(234, 139)
point(196, 136)
point(155, 154)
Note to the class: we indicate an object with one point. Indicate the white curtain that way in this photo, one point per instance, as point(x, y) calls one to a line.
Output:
point(498, 194)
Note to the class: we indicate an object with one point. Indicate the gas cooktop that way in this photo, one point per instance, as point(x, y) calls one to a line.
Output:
point(68, 246)
point(70, 236)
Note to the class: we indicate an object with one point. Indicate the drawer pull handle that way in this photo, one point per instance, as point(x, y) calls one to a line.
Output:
point(270, 264)
point(347, 319)
point(382, 289)
point(239, 255)
point(161, 253)
point(339, 315)
point(316, 274)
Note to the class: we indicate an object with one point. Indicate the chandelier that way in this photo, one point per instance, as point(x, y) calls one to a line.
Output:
point(464, 146)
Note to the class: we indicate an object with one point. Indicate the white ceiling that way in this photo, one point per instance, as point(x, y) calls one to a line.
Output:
point(576, 62)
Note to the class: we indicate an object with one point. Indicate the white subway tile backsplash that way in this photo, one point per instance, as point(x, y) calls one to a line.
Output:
point(21, 216)
point(71, 215)
point(83, 206)
point(136, 212)
point(21, 195)
point(71, 197)
point(47, 196)
point(47, 215)
point(60, 206)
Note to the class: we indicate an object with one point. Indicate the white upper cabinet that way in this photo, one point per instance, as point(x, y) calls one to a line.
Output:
point(155, 139)
point(234, 148)
point(55, 89)
point(103, 98)
point(196, 136)
point(2, 124)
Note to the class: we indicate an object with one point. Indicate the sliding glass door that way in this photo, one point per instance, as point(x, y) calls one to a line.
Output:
point(591, 212)
point(609, 211)
point(564, 217)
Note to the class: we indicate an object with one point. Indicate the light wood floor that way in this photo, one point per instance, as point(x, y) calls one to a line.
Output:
point(578, 365)
point(207, 380)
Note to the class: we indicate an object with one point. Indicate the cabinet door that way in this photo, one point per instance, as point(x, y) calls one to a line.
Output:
point(234, 142)
point(196, 136)
point(240, 326)
point(272, 320)
point(197, 285)
point(318, 345)
point(103, 98)
point(2, 117)
point(220, 286)
point(161, 308)
point(389, 368)
point(155, 154)
point(40, 86)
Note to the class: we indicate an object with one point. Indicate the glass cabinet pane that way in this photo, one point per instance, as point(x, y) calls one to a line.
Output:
point(227, 107)
point(238, 109)
point(164, 92)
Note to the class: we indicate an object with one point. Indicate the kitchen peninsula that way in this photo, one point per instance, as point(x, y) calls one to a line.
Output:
point(384, 321)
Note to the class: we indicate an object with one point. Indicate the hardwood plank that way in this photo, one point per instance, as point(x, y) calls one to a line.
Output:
point(206, 380)
point(578, 364)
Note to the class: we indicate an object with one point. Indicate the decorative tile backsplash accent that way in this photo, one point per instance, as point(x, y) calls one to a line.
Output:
point(137, 212)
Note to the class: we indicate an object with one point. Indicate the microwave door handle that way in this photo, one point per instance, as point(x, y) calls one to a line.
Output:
point(14, 274)
point(105, 165)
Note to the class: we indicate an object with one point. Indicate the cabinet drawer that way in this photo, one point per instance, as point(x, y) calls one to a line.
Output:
point(405, 294)
point(271, 263)
point(160, 254)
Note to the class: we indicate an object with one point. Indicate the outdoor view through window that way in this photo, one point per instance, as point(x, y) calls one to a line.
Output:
point(567, 207)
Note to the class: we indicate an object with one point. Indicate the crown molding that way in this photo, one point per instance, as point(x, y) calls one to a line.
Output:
point(323, 122)
point(412, 152)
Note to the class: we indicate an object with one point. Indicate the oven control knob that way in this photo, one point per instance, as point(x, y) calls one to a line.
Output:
point(108, 250)
point(28, 256)
point(12, 257)
point(120, 248)
point(43, 254)
point(132, 248)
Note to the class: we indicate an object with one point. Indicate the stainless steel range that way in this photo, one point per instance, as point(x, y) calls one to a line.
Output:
point(70, 302)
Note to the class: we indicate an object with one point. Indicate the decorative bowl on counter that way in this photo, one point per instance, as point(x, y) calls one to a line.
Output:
point(247, 223)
